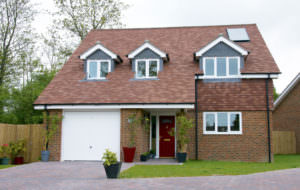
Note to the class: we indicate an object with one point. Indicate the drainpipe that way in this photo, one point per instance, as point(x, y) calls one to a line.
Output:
point(268, 117)
point(196, 116)
point(47, 125)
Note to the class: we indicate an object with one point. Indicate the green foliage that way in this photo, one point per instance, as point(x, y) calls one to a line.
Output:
point(146, 154)
point(18, 148)
point(275, 94)
point(109, 158)
point(19, 101)
point(211, 168)
point(183, 124)
point(134, 122)
point(5, 150)
point(53, 122)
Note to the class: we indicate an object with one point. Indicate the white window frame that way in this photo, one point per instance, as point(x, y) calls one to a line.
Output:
point(229, 132)
point(98, 68)
point(147, 68)
point(227, 67)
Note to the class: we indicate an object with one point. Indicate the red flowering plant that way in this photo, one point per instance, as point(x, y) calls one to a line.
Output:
point(5, 150)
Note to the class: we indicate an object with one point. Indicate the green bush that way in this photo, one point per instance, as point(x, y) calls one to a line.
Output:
point(18, 148)
point(109, 158)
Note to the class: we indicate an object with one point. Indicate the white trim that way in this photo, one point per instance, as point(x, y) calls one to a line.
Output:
point(98, 68)
point(224, 40)
point(147, 61)
point(119, 106)
point(227, 67)
point(95, 48)
point(287, 90)
point(242, 76)
point(144, 46)
point(216, 124)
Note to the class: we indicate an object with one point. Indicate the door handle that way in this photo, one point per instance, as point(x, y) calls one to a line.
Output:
point(168, 140)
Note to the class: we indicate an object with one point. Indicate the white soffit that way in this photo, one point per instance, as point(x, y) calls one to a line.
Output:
point(221, 38)
point(147, 44)
point(98, 46)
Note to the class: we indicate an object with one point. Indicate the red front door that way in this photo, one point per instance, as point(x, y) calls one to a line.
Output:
point(166, 141)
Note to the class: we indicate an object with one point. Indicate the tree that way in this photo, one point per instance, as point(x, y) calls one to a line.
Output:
point(275, 94)
point(80, 16)
point(15, 33)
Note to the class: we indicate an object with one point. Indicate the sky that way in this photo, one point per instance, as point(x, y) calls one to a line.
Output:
point(277, 20)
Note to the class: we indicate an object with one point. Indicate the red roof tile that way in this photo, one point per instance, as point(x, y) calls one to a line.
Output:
point(176, 81)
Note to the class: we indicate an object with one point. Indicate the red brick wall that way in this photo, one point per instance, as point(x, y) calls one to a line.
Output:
point(287, 115)
point(142, 136)
point(247, 95)
point(55, 142)
point(251, 146)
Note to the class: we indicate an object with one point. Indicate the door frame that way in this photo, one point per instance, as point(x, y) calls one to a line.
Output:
point(157, 115)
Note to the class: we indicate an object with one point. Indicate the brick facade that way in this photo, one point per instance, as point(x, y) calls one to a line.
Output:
point(287, 114)
point(142, 135)
point(55, 142)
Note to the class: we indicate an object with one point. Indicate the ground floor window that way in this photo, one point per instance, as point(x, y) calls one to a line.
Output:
point(222, 122)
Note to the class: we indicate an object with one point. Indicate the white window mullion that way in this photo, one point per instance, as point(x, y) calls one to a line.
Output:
point(215, 64)
point(98, 69)
point(147, 68)
point(216, 122)
point(228, 121)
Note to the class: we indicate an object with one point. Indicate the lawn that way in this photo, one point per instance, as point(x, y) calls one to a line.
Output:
point(5, 166)
point(208, 168)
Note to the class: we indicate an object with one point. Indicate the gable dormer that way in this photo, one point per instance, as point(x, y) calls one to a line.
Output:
point(98, 62)
point(147, 60)
point(221, 58)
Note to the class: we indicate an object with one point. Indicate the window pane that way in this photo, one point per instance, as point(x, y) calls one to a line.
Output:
point(233, 66)
point(141, 69)
point(210, 122)
point(153, 68)
point(92, 69)
point(221, 66)
point(209, 67)
point(104, 69)
point(222, 122)
point(234, 122)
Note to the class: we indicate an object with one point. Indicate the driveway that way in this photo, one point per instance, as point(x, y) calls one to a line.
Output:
point(91, 175)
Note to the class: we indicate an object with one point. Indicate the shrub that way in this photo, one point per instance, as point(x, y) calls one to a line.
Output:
point(5, 150)
point(18, 148)
point(109, 158)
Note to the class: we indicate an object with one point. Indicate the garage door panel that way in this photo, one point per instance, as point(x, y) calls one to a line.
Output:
point(86, 135)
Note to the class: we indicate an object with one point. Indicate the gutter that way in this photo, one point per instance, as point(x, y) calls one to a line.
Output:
point(196, 116)
point(268, 117)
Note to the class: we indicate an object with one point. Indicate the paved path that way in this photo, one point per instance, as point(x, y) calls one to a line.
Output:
point(90, 175)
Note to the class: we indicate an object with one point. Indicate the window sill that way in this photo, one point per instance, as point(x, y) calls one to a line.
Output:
point(93, 80)
point(231, 133)
point(143, 79)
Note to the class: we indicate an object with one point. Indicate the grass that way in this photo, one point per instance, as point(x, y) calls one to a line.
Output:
point(208, 168)
point(6, 166)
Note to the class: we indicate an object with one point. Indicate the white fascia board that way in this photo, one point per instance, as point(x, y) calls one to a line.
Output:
point(226, 41)
point(144, 46)
point(287, 90)
point(120, 106)
point(95, 48)
point(243, 76)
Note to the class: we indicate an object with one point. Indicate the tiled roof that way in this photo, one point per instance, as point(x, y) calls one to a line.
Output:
point(176, 81)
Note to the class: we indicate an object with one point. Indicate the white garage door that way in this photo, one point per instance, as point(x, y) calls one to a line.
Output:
point(86, 134)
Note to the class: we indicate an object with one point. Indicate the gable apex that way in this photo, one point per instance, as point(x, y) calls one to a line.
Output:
point(221, 38)
point(96, 47)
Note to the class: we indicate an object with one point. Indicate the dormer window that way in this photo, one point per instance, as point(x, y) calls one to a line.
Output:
point(221, 66)
point(98, 69)
point(147, 68)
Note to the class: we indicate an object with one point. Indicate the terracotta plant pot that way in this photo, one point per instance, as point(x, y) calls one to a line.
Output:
point(128, 153)
point(19, 160)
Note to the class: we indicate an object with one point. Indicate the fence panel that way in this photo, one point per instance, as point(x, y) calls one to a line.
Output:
point(284, 142)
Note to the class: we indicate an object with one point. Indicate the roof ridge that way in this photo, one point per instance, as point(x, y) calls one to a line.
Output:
point(173, 27)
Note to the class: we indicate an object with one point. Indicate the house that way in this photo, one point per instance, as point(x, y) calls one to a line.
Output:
point(286, 114)
point(221, 76)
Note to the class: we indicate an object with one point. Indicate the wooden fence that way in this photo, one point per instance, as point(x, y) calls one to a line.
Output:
point(284, 142)
point(31, 133)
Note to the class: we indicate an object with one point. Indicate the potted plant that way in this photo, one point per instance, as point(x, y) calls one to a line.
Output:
point(52, 125)
point(134, 122)
point(17, 151)
point(183, 124)
point(6, 150)
point(152, 153)
point(144, 157)
point(111, 165)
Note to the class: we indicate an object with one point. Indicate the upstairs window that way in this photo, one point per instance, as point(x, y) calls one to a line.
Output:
point(221, 66)
point(147, 68)
point(222, 123)
point(98, 69)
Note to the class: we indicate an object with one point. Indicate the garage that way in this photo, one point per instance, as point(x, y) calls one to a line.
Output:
point(86, 134)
